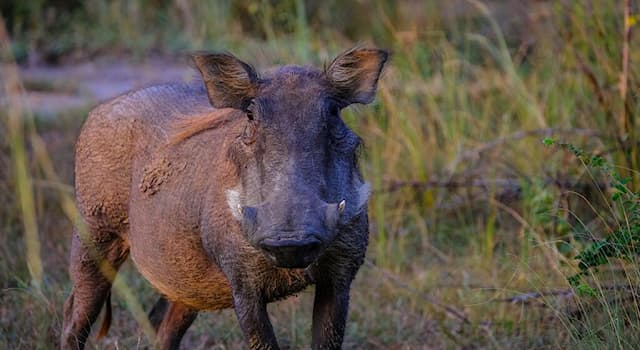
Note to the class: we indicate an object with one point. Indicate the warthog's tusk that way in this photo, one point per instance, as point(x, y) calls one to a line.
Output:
point(341, 206)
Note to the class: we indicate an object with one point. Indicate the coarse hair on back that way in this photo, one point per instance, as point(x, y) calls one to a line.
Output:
point(187, 126)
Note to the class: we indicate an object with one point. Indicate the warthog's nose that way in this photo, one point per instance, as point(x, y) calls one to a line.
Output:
point(292, 252)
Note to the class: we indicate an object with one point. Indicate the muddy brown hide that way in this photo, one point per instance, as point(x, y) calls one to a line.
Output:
point(153, 175)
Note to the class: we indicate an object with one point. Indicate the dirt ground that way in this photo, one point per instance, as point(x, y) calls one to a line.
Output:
point(52, 90)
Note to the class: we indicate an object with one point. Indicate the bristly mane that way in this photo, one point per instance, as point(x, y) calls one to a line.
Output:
point(185, 127)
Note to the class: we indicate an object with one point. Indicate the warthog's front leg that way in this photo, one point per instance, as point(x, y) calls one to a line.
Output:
point(330, 310)
point(333, 275)
point(252, 315)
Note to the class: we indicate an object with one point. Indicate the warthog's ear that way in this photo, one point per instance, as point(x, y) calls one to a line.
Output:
point(354, 74)
point(230, 82)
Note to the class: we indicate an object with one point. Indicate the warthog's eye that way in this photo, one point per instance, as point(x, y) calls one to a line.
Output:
point(334, 110)
point(250, 133)
point(336, 126)
point(250, 109)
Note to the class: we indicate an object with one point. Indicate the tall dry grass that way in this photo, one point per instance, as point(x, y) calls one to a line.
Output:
point(475, 224)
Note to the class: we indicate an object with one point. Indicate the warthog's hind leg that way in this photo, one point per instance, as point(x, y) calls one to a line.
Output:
point(171, 320)
point(91, 287)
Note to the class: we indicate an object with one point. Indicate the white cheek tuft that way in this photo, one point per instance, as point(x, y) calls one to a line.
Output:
point(233, 200)
point(363, 194)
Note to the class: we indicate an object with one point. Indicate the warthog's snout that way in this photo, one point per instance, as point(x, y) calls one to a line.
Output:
point(292, 251)
point(300, 241)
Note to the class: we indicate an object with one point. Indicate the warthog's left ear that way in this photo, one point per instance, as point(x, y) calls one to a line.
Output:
point(230, 82)
point(354, 74)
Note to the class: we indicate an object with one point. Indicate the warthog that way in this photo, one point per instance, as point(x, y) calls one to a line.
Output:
point(232, 192)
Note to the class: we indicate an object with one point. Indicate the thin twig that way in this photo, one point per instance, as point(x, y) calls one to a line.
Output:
point(528, 297)
point(508, 185)
point(395, 185)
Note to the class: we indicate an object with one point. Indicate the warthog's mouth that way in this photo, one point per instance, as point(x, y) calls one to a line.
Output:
point(291, 251)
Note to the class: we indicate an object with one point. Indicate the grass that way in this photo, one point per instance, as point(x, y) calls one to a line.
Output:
point(475, 223)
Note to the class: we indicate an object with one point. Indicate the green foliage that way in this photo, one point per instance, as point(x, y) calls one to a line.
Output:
point(624, 240)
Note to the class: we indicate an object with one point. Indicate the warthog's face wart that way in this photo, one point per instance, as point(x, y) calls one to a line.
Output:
point(296, 158)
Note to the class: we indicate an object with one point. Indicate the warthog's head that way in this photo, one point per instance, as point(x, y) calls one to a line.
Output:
point(296, 158)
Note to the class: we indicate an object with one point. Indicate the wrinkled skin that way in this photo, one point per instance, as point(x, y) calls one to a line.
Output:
point(232, 193)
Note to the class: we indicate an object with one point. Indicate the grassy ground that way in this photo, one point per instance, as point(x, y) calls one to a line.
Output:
point(475, 223)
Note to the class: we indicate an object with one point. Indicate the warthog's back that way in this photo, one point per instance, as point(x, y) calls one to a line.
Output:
point(115, 131)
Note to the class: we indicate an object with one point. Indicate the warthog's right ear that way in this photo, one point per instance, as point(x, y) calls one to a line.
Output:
point(354, 74)
point(230, 82)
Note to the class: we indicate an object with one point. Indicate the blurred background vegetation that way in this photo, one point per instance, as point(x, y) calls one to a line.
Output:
point(477, 226)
